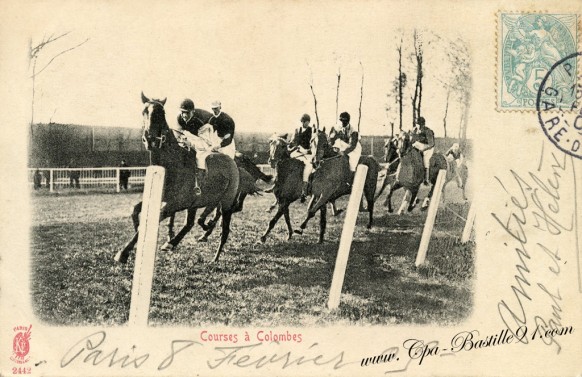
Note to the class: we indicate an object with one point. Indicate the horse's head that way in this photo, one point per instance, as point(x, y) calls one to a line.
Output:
point(403, 143)
point(277, 148)
point(155, 126)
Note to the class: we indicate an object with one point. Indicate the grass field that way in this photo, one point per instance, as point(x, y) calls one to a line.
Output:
point(76, 282)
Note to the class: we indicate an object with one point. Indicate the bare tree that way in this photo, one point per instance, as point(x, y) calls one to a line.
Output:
point(313, 93)
point(361, 98)
point(34, 53)
point(417, 99)
point(398, 86)
point(446, 111)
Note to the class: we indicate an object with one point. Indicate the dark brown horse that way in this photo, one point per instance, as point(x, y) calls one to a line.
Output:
point(287, 187)
point(249, 173)
point(333, 179)
point(439, 162)
point(406, 170)
point(219, 189)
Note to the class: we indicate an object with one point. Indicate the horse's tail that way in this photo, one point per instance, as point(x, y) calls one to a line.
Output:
point(244, 162)
point(247, 183)
point(371, 176)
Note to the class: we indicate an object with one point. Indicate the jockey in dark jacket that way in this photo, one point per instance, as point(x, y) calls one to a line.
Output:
point(303, 151)
point(347, 140)
point(224, 126)
point(422, 138)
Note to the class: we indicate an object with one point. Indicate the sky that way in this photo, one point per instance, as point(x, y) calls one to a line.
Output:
point(257, 58)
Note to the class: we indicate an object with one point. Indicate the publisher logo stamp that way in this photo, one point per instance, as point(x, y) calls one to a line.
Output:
point(21, 344)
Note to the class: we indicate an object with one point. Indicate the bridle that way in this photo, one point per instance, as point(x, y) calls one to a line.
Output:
point(155, 141)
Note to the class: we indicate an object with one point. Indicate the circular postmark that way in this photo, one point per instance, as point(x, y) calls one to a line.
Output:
point(558, 105)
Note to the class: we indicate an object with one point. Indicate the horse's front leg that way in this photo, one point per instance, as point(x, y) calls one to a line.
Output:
point(273, 222)
point(310, 215)
point(202, 219)
point(171, 226)
point(188, 225)
point(226, 217)
point(322, 223)
point(211, 226)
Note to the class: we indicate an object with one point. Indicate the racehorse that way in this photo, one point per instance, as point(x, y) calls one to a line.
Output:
point(437, 162)
point(287, 188)
point(405, 170)
point(249, 173)
point(332, 179)
point(218, 189)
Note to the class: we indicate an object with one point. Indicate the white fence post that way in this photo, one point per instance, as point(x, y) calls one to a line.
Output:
point(430, 218)
point(52, 179)
point(117, 180)
point(145, 257)
point(347, 237)
point(469, 224)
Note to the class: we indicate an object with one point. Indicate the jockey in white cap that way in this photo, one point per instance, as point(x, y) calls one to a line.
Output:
point(347, 140)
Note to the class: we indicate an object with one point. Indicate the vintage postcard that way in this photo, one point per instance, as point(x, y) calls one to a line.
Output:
point(291, 188)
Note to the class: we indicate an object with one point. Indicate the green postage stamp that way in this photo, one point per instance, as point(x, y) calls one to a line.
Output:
point(529, 45)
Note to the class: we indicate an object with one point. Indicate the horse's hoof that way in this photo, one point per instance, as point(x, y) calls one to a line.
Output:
point(203, 239)
point(263, 239)
point(390, 210)
point(320, 241)
point(338, 212)
point(369, 226)
point(298, 231)
point(202, 225)
point(120, 258)
point(167, 247)
point(289, 236)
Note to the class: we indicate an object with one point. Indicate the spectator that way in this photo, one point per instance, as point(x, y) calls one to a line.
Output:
point(74, 175)
point(124, 175)
point(37, 179)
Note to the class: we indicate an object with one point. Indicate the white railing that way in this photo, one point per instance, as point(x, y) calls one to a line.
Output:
point(86, 178)
point(108, 178)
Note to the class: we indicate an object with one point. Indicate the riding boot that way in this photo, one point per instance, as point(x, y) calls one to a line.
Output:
point(304, 191)
point(199, 178)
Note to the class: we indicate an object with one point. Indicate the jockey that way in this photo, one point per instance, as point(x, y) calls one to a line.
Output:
point(347, 140)
point(223, 124)
point(187, 119)
point(422, 138)
point(304, 151)
point(189, 127)
point(454, 154)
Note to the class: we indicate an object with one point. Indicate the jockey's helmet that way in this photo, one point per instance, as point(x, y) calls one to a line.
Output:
point(420, 121)
point(187, 105)
point(345, 116)
point(216, 105)
point(305, 118)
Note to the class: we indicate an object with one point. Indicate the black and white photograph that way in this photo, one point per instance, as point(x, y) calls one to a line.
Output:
point(290, 188)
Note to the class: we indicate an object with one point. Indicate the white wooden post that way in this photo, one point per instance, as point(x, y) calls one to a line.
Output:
point(145, 258)
point(118, 180)
point(347, 237)
point(430, 218)
point(469, 224)
point(52, 179)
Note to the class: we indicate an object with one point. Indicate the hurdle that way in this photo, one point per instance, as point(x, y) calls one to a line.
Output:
point(430, 217)
point(347, 237)
point(145, 257)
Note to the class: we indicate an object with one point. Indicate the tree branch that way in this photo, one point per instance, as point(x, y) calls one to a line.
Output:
point(361, 97)
point(57, 55)
point(36, 49)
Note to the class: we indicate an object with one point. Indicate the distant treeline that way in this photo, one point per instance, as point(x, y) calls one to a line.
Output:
point(62, 145)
